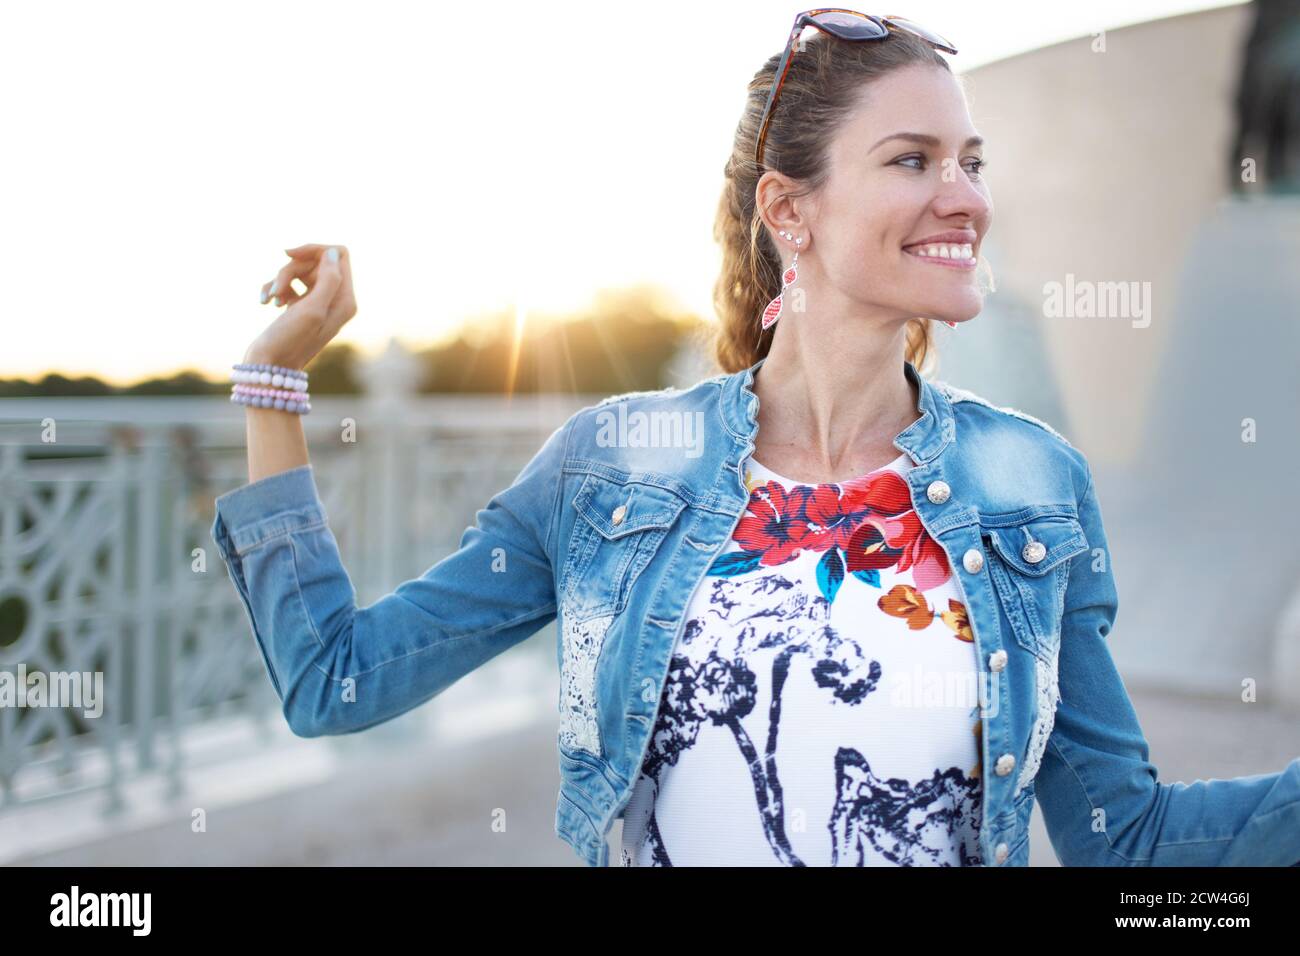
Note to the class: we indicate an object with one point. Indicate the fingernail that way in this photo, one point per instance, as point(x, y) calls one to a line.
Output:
point(264, 297)
point(332, 254)
point(271, 291)
point(277, 301)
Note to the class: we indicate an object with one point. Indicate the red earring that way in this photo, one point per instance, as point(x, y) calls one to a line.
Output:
point(773, 310)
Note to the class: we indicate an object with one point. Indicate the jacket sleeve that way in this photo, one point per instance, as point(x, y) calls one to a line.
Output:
point(1100, 796)
point(337, 668)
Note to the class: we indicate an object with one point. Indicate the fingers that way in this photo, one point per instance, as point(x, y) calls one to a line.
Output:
point(314, 249)
point(289, 295)
point(280, 290)
point(327, 279)
point(307, 255)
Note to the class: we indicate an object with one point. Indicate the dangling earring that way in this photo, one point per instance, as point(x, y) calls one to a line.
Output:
point(773, 310)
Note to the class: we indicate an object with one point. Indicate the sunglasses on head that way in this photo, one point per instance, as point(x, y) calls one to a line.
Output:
point(846, 25)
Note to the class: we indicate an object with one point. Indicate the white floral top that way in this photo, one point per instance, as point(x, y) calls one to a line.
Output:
point(821, 705)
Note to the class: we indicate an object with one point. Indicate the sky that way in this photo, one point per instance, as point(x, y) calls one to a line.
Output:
point(518, 156)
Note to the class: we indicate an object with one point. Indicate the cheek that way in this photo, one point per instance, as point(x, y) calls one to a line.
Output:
point(868, 236)
point(867, 226)
point(870, 217)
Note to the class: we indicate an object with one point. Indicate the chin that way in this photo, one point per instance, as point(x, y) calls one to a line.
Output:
point(950, 305)
point(956, 312)
point(963, 307)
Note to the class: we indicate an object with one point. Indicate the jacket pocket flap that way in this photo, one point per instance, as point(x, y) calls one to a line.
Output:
point(616, 508)
point(1036, 546)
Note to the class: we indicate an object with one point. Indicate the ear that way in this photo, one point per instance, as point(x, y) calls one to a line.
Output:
point(778, 208)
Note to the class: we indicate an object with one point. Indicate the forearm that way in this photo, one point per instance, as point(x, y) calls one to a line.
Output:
point(1238, 821)
point(276, 442)
point(338, 668)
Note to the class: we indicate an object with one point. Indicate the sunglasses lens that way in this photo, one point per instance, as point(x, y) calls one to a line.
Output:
point(920, 31)
point(848, 27)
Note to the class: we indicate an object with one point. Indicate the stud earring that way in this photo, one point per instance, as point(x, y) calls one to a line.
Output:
point(773, 310)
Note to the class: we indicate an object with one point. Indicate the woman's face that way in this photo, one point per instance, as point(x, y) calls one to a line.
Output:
point(887, 196)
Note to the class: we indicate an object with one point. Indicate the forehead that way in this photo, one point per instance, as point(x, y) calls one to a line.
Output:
point(916, 99)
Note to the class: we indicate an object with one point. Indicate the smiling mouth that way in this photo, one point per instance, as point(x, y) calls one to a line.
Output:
point(950, 254)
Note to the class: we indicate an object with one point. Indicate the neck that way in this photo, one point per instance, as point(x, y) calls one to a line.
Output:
point(833, 395)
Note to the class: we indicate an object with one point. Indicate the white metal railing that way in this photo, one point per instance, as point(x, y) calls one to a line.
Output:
point(107, 564)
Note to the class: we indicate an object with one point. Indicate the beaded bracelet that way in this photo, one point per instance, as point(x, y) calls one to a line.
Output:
point(288, 391)
point(299, 406)
point(277, 375)
point(271, 392)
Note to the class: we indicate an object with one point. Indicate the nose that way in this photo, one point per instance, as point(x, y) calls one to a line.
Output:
point(962, 197)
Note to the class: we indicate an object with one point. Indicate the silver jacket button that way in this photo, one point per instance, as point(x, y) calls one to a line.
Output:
point(1004, 764)
point(938, 492)
point(619, 512)
point(973, 560)
point(1001, 853)
point(1034, 552)
point(997, 660)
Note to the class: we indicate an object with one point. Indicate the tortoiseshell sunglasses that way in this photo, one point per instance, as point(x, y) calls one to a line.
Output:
point(846, 25)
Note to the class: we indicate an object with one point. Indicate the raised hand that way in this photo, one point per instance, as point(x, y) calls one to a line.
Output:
point(311, 319)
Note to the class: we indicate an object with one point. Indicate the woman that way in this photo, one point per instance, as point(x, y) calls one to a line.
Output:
point(833, 613)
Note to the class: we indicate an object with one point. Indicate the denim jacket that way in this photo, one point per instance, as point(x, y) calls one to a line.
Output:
point(613, 524)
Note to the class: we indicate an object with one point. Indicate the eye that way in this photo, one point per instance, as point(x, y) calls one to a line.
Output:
point(974, 166)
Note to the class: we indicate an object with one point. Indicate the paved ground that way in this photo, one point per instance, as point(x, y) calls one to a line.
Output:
point(395, 803)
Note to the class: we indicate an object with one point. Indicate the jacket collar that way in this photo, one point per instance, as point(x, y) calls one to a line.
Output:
point(923, 439)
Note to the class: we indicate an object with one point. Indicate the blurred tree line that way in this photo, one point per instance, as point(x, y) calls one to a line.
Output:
point(623, 342)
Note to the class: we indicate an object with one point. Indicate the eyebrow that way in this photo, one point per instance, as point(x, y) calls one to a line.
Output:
point(925, 140)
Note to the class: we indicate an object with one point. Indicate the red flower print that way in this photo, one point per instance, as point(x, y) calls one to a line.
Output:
point(867, 549)
point(883, 492)
point(870, 519)
point(829, 523)
point(921, 553)
point(773, 524)
point(834, 511)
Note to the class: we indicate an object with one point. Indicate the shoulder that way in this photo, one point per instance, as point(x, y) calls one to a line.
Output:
point(697, 397)
point(968, 403)
point(634, 431)
point(1020, 433)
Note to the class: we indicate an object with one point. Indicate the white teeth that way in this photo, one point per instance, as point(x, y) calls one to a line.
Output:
point(963, 251)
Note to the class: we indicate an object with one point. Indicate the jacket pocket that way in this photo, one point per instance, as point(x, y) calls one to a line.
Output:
point(620, 525)
point(1029, 563)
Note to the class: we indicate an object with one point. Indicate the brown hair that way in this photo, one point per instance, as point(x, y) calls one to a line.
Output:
point(822, 87)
